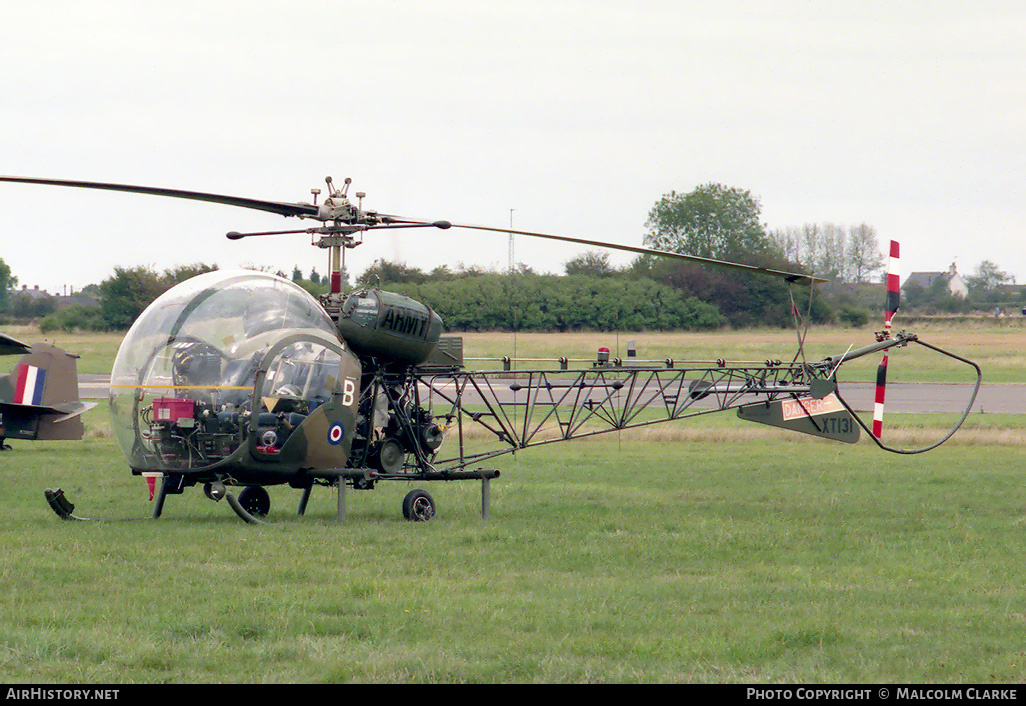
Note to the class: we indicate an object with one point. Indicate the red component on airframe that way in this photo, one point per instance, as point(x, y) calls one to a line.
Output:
point(171, 409)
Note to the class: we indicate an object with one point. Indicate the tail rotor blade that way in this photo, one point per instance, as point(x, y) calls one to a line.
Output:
point(891, 308)
point(893, 285)
point(881, 392)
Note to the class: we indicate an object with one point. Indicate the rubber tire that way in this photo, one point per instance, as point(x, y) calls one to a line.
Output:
point(255, 500)
point(418, 506)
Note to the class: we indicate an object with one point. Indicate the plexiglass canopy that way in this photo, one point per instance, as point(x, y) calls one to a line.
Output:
point(184, 386)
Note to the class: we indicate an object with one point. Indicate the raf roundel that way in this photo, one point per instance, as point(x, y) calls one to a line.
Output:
point(336, 432)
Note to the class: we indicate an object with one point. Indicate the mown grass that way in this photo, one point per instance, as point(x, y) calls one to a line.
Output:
point(999, 347)
point(999, 351)
point(96, 351)
point(710, 557)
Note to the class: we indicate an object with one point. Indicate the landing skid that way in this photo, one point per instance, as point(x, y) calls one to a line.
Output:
point(65, 509)
point(240, 510)
point(418, 505)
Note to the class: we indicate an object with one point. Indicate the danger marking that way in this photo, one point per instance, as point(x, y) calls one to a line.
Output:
point(793, 409)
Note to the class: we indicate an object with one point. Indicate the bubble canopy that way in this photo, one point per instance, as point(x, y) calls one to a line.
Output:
point(225, 364)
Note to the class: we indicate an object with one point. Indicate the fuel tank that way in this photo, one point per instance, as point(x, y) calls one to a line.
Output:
point(389, 326)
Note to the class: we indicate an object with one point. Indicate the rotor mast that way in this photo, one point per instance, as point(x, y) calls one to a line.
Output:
point(347, 221)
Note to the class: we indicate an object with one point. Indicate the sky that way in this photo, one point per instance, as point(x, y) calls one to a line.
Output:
point(565, 117)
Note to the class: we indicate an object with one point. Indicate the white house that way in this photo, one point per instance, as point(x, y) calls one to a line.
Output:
point(955, 284)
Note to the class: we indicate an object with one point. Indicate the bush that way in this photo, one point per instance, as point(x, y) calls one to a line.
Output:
point(853, 317)
point(523, 302)
point(74, 317)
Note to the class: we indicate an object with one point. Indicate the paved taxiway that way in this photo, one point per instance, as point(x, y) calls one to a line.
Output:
point(995, 398)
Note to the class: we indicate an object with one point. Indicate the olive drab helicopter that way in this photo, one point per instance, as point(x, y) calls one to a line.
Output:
point(243, 379)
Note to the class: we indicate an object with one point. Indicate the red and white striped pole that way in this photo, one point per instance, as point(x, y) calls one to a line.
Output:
point(891, 306)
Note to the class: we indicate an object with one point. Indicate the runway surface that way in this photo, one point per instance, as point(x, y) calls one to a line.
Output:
point(1004, 398)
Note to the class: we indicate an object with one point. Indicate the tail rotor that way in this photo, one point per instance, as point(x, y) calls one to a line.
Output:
point(891, 307)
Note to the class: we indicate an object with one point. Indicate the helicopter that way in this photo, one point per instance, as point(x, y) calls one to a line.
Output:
point(243, 379)
point(39, 398)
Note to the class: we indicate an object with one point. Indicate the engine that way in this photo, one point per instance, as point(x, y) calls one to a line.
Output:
point(394, 433)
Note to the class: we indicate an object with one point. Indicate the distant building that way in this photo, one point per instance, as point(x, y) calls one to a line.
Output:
point(956, 286)
point(35, 294)
point(80, 299)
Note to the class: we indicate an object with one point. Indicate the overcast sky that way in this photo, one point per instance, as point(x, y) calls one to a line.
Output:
point(578, 116)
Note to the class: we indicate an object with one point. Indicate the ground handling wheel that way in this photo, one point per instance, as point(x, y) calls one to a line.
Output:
point(418, 506)
point(255, 500)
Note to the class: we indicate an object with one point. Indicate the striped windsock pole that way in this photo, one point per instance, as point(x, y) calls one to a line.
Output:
point(893, 301)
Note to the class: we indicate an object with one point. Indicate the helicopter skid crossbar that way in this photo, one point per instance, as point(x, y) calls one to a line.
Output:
point(354, 478)
point(438, 475)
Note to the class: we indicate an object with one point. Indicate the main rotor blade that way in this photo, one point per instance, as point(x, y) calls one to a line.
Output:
point(284, 209)
point(304, 209)
point(789, 276)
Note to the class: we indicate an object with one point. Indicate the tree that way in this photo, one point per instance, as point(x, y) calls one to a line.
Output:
point(819, 247)
point(381, 272)
point(441, 273)
point(987, 277)
point(317, 285)
point(712, 221)
point(7, 283)
point(179, 274)
point(864, 256)
point(31, 305)
point(831, 251)
point(592, 263)
point(722, 223)
point(745, 299)
point(74, 317)
point(529, 301)
point(833, 262)
point(124, 295)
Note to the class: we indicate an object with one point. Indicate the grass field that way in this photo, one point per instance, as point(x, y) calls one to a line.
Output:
point(999, 350)
point(698, 556)
point(998, 347)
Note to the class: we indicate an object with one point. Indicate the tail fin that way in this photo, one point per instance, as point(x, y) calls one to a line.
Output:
point(39, 399)
point(52, 373)
point(891, 308)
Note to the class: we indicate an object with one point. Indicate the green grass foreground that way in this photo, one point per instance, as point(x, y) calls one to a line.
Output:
point(616, 559)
